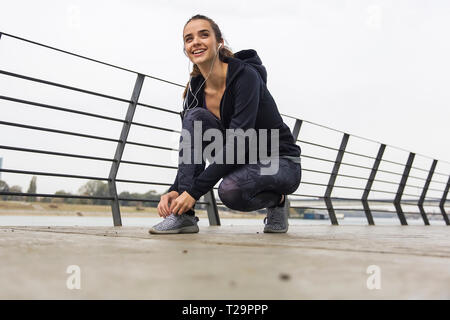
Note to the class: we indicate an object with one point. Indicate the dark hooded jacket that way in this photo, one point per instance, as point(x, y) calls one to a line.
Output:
point(246, 103)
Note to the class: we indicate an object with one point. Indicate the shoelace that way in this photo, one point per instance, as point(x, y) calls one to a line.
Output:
point(169, 219)
point(175, 217)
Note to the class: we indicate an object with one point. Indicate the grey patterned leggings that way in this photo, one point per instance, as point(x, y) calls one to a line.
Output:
point(244, 189)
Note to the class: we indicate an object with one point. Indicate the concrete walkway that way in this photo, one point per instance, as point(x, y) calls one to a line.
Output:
point(232, 262)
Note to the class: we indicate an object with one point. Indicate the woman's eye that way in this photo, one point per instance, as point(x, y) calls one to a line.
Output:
point(205, 35)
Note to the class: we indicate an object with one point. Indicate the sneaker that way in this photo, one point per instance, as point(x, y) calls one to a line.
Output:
point(175, 223)
point(277, 219)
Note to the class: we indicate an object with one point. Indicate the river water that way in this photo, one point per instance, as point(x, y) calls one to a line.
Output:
point(147, 222)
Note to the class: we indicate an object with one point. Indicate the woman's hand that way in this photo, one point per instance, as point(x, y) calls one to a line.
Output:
point(164, 203)
point(182, 204)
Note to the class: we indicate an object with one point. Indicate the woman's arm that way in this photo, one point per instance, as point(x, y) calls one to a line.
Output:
point(174, 186)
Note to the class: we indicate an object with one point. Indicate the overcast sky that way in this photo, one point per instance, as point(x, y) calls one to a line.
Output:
point(376, 69)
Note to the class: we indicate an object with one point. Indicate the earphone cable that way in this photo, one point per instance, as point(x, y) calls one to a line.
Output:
point(195, 95)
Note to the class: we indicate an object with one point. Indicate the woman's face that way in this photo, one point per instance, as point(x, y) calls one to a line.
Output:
point(197, 36)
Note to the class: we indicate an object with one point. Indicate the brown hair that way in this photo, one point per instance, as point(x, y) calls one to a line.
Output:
point(224, 51)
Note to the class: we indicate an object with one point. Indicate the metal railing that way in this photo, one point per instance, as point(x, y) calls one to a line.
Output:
point(326, 189)
point(404, 174)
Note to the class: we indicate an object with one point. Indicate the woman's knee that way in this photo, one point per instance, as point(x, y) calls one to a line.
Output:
point(298, 176)
point(196, 114)
point(231, 195)
point(204, 116)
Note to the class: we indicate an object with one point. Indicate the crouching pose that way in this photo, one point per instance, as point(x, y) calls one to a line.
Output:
point(224, 95)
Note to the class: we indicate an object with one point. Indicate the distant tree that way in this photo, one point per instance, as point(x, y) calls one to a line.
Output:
point(15, 189)
point(32, 189)
point(151, 195)
point(95, 188)
point(45, 199)
point(124, 194)
point(65, 200)
point(4, 188)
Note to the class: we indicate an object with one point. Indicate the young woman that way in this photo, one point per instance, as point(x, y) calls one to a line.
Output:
point(228, 91)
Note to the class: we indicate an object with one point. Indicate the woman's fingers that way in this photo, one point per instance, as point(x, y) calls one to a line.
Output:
point(176, 207)
point(159, 210)
point(165, 207)
point(172, 205)
point(179, 209)
point(179, 205)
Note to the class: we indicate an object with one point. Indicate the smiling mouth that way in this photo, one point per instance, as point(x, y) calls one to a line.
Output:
point(199, 54)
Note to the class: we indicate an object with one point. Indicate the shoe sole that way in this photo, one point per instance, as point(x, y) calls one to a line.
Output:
point(190, 229)
point(275, 231)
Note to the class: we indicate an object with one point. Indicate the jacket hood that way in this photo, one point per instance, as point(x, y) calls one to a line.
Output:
point(251, 57)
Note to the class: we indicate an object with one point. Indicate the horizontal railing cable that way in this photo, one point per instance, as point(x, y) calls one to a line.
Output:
point(360, 155)
point(150, 200)
point(89, 59)
point(55, 84)
point(318, 145)
point(360, 210)
point(157, 108)
point(153, 127)
point(391, 201)
point(43, 105)
point(48, 106)
point(83, 135)
point(144, 182)
point(45, 195)
point(359, 137)
point(151, 146)
point(148, 164)
point(73, 196)
point(63, 175)
point(62, 154)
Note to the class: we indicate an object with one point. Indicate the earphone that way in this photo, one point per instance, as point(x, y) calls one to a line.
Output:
point(190, 89)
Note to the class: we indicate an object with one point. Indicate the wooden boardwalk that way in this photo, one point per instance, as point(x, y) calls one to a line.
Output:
point(227, 262)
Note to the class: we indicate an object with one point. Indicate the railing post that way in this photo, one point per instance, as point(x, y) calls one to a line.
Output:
point(442, 202)
point(424, 193)
point(211, 209)
point(295, 134)
point(373, 173)
point(296, 130)
point(401, 188)
point(333, 177)
point(120, 148)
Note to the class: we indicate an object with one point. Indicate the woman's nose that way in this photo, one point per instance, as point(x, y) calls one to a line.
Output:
point(195, 41)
